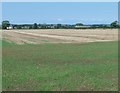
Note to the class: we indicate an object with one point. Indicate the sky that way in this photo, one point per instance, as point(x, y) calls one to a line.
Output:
point(60, 12)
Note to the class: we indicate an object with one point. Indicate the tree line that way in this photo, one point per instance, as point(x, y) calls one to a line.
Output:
point(7, 25)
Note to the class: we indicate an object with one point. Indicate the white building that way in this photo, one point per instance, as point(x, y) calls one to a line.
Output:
point(82, 26)
point(10, 27)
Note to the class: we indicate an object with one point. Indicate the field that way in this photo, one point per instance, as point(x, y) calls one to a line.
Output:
point(32, 62)
point(60, 36)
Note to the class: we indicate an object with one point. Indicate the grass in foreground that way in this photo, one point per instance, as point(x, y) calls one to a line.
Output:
point(67, 67)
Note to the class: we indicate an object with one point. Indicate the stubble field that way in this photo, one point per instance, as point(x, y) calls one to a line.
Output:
point(60, 36)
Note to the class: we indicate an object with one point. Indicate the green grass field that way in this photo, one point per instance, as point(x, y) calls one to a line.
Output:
point(60, 67)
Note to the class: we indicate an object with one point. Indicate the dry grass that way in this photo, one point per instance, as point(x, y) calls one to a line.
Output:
point(60, 35)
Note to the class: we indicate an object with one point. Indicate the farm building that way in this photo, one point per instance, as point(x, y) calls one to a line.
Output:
point(83, 26)
point(10, 27)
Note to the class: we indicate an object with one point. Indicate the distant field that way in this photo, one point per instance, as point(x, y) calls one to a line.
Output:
point(60, 36)
point(61, 67)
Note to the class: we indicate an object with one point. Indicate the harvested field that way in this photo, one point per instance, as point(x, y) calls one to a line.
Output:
point(60, 35)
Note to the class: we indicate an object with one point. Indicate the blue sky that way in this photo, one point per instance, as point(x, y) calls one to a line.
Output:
point(60, 12)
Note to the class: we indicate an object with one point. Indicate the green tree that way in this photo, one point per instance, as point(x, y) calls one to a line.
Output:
point(59, 26)
point(35, 26)
point(114, 24)
point(5, 24)
point(79, 24)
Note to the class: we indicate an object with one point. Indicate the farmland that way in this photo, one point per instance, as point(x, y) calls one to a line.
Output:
point(60, 35)
point(58, 60)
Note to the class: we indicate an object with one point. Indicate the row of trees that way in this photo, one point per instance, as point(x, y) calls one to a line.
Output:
point(6, 24)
